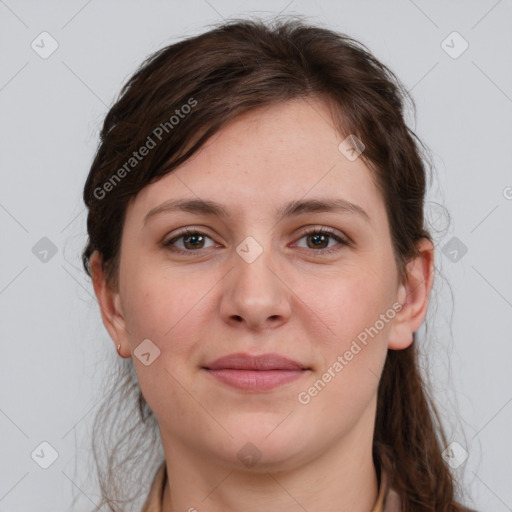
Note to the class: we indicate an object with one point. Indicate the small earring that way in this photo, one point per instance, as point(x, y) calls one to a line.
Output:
point(119, 349)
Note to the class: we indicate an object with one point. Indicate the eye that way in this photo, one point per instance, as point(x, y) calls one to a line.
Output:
point(318, 240)
point(191, 240)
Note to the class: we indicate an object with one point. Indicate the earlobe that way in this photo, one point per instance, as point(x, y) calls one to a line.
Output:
point(413, 295)
point(109, 302)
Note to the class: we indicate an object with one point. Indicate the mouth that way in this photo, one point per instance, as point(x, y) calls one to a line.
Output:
point(255, 373)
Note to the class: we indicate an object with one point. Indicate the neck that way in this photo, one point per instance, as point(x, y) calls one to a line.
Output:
point(342, 478)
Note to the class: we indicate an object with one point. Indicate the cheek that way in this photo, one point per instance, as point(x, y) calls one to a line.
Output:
point(348, 303)
point(159, 305)
point(169, 313)
point(353, 351)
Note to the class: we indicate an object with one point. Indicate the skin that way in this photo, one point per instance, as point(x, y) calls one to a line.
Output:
point(292, 299)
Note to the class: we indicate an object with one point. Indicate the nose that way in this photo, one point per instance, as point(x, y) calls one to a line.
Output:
point(255, 294)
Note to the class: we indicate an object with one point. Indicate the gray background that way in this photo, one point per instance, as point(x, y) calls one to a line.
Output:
point(54, 348)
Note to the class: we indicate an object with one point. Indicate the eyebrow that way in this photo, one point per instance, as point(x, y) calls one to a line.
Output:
point(291, 209)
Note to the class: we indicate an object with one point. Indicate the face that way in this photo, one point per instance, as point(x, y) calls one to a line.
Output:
point(268, 271)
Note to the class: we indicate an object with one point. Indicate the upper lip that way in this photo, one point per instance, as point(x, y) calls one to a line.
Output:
point(241, 361)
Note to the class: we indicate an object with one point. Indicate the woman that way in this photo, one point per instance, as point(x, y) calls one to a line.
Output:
point(258, 250)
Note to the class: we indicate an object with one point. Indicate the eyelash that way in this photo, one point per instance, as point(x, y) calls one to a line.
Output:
point(316, 231)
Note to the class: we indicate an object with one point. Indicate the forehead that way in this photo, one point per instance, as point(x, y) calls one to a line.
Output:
point(265, 158)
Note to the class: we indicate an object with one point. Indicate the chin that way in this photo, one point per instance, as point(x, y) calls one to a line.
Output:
point(261, 446)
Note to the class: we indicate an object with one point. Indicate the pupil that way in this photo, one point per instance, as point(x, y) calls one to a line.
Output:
point(194, 239)
point(318, 238)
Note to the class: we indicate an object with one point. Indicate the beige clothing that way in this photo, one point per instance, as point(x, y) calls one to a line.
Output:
point(387, 500)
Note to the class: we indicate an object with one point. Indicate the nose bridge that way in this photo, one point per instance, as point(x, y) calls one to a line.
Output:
point(252, 273)
point(254, 292)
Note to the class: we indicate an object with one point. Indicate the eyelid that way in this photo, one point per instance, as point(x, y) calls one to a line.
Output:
point(313, 228)
point(343, 240)
point(189, 230)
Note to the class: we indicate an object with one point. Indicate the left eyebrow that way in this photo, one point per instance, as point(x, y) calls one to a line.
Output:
point(291, 209)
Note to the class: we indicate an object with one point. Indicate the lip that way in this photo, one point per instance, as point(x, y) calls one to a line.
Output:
point(242, 361)
point(255, 372)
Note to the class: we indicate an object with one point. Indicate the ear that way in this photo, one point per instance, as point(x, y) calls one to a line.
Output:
point(414, 296)
point(109, 301)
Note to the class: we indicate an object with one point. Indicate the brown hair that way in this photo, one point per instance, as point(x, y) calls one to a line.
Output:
point(186, 92)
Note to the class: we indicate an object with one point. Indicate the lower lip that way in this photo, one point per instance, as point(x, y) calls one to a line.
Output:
point(251, 380)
